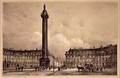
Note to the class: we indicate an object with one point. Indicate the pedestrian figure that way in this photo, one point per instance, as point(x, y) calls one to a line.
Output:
point(49, 68)
point(17, 67)
point(101, 69)
point(97, 69)
point(58, 68)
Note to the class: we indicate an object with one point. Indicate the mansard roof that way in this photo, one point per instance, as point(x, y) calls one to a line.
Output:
point(12, 50)
point(92, 49)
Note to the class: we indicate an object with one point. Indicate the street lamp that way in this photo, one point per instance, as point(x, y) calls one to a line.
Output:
point(53, 63)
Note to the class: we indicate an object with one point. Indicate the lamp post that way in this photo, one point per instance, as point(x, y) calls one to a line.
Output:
point(53, 63)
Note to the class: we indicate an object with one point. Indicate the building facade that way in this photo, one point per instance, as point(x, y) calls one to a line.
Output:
point(26, 58)
point(105, 57)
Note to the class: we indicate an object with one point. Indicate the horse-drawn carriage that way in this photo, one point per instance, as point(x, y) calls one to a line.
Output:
point(88, 67)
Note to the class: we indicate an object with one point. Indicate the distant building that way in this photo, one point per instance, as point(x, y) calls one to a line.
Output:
point(26, 58)
point(58, 62)
point(105, 57)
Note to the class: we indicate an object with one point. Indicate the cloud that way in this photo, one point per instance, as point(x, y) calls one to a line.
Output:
point(36, 37)
point(58, 44)
point(71, 25)
point(28, 39)
point(76, 43)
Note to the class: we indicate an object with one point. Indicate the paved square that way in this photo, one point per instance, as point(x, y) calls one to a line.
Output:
point(27, 72)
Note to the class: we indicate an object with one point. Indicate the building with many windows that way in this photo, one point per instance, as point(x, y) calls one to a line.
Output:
point(105, 57)
point(26, 58)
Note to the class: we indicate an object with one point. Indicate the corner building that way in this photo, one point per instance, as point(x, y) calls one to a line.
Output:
point(105, 57)
point(26, 58)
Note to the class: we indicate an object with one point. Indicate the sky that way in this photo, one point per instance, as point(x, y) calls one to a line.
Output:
point(70, 25)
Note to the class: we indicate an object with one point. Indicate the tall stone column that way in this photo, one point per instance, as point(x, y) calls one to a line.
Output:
point(44, 60)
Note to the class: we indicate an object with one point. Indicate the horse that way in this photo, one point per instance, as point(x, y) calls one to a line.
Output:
point(20, 68)
point(80, 68)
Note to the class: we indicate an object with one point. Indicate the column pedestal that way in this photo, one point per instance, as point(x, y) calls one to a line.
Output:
point(45, 62)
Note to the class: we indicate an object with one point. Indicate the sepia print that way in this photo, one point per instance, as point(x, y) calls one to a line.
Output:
point(60, 38)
